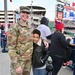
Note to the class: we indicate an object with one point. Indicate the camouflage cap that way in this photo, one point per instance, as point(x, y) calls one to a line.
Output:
point(24, 9)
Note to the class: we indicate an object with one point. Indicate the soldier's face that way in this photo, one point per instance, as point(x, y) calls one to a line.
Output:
point(36, 38)
point(24, 16)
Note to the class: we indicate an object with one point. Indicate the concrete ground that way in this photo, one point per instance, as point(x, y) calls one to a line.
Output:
point(5, 66)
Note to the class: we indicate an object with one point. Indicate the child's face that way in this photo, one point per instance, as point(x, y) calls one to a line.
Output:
point(36, 38)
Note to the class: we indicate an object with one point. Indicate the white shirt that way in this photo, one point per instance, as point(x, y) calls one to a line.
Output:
point(45, 31)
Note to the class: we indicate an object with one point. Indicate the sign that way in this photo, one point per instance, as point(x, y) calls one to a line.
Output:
point(69, 13)
point(73, 4)
point(59, 15)
point(62, 1)
point(60, 8)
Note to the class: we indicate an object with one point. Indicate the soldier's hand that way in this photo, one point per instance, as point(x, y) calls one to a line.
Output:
point(19, 70)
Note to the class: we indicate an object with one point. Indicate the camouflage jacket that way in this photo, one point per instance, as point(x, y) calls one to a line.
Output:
point(19, 42)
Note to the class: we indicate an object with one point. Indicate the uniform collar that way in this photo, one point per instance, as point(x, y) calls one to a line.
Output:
point(22, 24)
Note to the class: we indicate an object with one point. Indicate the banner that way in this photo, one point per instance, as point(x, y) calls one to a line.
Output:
point(69, 13)
point(73, 4)
point(60, 9)
point(59, 15)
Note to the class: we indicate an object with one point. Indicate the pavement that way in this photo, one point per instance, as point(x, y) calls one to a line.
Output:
point(5, 66)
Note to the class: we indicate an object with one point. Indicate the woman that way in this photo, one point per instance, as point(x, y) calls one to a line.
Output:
point(58, 47)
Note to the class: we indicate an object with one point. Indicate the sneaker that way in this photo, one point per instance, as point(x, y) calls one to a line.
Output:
point(65, 64)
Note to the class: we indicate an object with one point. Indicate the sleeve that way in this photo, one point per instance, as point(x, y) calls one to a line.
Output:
point(47, 55)
point(49, 36)
point(63, 41)
point(47, 31)
point(12, 44)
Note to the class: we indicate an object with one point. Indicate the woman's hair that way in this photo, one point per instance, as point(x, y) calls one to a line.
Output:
point(59, 30)
point(44, 21)
point(36, 31)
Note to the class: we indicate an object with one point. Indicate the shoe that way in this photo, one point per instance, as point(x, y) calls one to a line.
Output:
point(65, 64)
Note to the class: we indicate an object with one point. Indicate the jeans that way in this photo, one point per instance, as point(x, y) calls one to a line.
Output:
point(39, 71)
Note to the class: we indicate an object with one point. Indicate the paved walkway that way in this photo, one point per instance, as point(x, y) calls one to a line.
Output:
point(5, 66)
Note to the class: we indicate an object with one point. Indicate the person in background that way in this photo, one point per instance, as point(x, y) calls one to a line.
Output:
point(44, 29)
point(58, 47)
point(39, 55)
point(20, 45)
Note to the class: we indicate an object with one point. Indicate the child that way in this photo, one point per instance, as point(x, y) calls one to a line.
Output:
point(40, 54)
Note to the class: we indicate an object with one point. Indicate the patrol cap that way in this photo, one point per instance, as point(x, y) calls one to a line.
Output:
point(24, 9)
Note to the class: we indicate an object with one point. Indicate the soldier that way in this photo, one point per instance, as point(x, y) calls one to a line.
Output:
point(20, 45)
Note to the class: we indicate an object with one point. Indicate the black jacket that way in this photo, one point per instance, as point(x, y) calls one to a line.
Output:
point(39, 53)
point(58, 45)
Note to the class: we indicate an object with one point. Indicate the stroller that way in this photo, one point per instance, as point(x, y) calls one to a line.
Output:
point(49, 67)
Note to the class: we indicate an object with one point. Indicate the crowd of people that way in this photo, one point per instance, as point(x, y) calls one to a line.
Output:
point(30, 48)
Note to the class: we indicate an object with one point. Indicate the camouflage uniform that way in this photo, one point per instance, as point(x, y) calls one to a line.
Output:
point(20, 47)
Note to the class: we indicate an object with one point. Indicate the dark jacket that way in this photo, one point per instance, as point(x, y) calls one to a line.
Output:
point(58, 45)
point(39, 53)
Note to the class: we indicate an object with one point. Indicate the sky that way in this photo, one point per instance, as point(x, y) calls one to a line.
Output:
point(48, 4)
